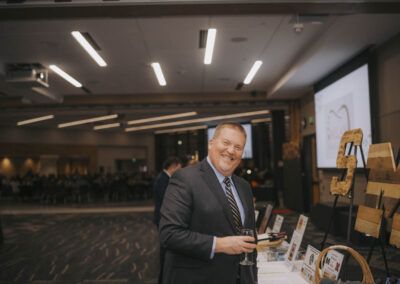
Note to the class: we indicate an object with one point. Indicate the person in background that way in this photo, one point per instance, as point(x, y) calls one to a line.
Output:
point(204, 211)
point(170, 166)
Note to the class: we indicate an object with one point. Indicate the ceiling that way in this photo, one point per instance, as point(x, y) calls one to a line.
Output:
point(131, 35)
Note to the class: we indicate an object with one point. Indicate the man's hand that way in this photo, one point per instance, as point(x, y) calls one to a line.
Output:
point(235, 244)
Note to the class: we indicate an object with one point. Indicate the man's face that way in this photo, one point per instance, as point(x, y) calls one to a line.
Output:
point(225, 151)
point(174, 168)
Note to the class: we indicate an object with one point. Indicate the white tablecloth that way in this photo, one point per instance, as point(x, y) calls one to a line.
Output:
point(277, 272)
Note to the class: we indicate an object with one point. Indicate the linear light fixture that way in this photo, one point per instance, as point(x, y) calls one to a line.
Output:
point(159, 74)
point(164, 117)
point(197, 120)
point(182, 129)
point(65, 76)
point(89, 120)
point(252, 72)
point(106, 126)
point(89, 49)
point(258, 120)
point(36, 119)
point(211, 34)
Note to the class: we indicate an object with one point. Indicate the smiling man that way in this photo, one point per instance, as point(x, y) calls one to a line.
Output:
point(204, 210)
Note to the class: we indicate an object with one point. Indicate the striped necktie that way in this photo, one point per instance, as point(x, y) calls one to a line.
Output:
point(232, 203)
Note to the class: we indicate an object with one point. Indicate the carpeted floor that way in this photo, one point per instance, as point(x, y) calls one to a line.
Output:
point(79, 248)
point(110, 248)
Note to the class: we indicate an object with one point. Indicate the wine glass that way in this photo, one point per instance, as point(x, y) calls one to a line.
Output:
point(246, 260)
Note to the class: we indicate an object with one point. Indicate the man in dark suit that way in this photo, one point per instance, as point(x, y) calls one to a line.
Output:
point(170, 166)
point(204, 210)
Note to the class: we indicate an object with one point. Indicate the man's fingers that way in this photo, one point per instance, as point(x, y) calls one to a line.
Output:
point(248, 239)
point(248, 245)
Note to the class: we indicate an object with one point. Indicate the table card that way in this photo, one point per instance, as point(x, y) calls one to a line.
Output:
point(295, 242)
point(256, 213)
point(265, 219)
point(309, 264)
point(277, 224)
point(332, 265)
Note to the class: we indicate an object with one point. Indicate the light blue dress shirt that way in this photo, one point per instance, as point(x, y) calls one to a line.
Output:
point(221, 178)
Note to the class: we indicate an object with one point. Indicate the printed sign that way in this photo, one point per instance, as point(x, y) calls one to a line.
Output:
point(277, 224)
point(332, 265)
point(264, 222)
point(295, 242)
point(309, 264)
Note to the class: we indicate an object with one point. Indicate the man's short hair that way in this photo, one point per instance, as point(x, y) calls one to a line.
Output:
point(233, 125)
point(171, 161)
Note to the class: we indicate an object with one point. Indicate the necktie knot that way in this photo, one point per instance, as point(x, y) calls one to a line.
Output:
point(227, 182)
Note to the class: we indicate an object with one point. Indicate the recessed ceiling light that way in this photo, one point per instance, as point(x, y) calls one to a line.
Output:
point(65, 76)
point(211, 34)
point(89, 120)
point(164, 117)
point(181, 129)
point(198, 120)
point(252, 72)
point(159, 74)
point(33, 120)
point(106, 126)
point(89, 49)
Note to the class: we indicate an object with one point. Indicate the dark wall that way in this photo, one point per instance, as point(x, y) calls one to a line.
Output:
point(168, 145)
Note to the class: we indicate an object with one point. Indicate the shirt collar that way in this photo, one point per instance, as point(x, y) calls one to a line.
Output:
point(220, 176)
point(167, 173)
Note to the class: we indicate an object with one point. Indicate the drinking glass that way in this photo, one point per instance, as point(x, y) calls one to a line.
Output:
point(246, 260)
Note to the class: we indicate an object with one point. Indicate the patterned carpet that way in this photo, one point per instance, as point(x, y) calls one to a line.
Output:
point(109, 248)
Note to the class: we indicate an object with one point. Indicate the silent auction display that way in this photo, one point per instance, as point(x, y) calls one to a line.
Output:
point(280, 262)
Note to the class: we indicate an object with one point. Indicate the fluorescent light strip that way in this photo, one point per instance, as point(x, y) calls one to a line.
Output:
point(198, 120)
point(159, 74)
point(258, 120)
point(89, 120)
point(106, 126)
point(182, 129)
point(252, 72)
point(65, 76)
point(89, 49)
point(33, 120)
point(165, 117)
point(211, 34)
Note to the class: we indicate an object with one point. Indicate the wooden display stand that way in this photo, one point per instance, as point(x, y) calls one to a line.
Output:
point(384, 184)
point(369, 221)
point(395, 235)
point(344, 186)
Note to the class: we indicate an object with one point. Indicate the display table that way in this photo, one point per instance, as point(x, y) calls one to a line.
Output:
point(276, 272)
point(272, 269)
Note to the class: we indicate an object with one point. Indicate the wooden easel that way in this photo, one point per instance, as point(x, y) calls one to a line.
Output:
point(345, 185)
point(384, 182)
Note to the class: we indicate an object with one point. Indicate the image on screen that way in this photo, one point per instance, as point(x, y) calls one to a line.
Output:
point(341, 106)
point(248, 149)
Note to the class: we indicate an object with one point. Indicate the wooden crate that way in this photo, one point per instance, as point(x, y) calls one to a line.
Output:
point(368, 220)
point(395, 235)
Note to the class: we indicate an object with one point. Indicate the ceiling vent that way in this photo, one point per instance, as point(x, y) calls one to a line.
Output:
point(27, 74)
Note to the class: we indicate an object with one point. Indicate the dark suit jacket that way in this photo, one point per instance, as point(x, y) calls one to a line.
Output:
point(159, 188)
point(195, 209)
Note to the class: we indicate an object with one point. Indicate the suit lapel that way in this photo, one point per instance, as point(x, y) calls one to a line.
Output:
point(215, 187)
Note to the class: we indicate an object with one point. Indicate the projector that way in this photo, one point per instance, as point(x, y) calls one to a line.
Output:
point(27, 74)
